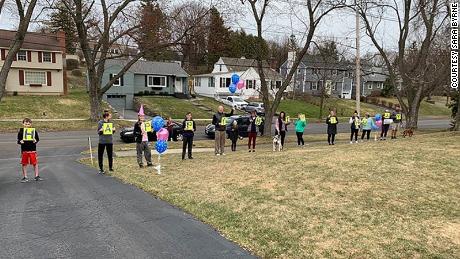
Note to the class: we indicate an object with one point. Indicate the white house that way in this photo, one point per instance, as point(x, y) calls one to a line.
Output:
point(217, 82)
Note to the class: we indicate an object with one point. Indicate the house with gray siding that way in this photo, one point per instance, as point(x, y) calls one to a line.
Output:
point(338, 77)
point(143, 78)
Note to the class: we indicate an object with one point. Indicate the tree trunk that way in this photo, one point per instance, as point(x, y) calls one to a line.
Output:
point(457, 122)
point(321, 105)
point(412, 115)
point(268, 123)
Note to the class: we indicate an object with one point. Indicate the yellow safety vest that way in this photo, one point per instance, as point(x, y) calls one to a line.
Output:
point(188, 125)
point(398, 116)
point(28, 134)
point(107, 128)
point(356, 123)
point(333, 120)
point(287, 119)
point(364, 121)
point(258, 121)
point(223, 121)
point(302, 117)
point(386, 115)
point(148, 126)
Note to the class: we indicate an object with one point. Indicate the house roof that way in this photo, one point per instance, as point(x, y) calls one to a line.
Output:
point(374, 74)
point(243, 64)
point(150, 67)
point(32, 40)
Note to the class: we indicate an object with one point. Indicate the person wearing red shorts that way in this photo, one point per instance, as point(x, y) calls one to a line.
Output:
point(28, 139)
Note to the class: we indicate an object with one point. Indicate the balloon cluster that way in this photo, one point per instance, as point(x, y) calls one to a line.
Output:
point(237, 83)
point(162, 134)
point(378, 120)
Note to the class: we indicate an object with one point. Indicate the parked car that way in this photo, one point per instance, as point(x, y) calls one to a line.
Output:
point(127, 134)
point(235, 102)
point(254, 106)
point(242, 122)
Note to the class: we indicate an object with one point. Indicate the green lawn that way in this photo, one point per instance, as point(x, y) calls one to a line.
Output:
point(368, 200)
point(439, 108)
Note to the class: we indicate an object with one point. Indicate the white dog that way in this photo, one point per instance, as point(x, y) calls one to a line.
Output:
point(277, 143)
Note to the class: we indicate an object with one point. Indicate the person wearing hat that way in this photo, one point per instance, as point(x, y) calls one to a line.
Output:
point(386, 124)
point(141, 129)
point(397, 120)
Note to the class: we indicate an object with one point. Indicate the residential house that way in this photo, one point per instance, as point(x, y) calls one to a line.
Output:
point(216, 83)
point(39, 66)
point(143, 78)
point(338, 78)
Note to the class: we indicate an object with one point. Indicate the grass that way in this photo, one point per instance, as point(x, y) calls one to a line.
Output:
point(372, 200)
point(438, 109)
point(49, 126)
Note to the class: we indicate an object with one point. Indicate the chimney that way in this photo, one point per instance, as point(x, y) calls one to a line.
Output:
point(61, 39)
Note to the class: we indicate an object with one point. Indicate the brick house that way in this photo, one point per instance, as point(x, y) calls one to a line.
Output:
point(38, 67)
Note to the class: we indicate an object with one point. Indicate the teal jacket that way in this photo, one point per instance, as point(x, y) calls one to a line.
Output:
point(300, 125)
point(368, 123)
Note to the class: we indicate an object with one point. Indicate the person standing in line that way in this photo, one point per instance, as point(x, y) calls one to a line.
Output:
point(300, 125)
point(331, 122)
point(397, 120)
point(281, 127)
point(233, 133)
point(386, 124)
point(355, 123)
point(253, 127)
point(105, 129)
point(367, 124)
point(169, 127)
point(189, 128)
point(141, 129)
point(219, 120)
point(28, 139)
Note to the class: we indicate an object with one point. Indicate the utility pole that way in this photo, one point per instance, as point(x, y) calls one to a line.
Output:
point(358, 64)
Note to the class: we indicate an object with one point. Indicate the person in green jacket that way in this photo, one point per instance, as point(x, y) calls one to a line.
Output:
point(300, 125)
point(367, 124)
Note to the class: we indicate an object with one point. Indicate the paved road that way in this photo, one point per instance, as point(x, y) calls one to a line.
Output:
point(77, 213)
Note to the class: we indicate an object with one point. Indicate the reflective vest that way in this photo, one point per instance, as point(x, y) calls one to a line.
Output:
point(398, 116)
point(107, 128)
point(386, 115)
point(287, 119)
point(356, 121)
point(333, 120)
point(302, 117)
point(148, 126)
point(188, 125)
point(28, 134)
point(223, 121)
point(258, 121)
point(364, 121)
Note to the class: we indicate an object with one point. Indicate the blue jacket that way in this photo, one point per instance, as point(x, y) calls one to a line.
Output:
point(368, 123)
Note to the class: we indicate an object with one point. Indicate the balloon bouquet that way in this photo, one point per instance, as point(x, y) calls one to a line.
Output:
point(237, 83)
point(162, 137)
point(378, 124)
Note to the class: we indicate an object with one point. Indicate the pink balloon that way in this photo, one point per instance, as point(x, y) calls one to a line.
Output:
point(241, 84)
point(162, 134)
point(379, 123)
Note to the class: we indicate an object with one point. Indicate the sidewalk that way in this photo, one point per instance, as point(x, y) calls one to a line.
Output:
point(132, 153)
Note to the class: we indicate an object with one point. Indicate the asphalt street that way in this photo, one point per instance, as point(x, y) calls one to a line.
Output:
point(76, 213)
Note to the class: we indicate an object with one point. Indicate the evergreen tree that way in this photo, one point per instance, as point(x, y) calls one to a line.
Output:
point(61, 20)
point(218, 38)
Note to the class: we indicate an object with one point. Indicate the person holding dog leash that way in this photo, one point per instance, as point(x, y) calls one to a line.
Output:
point(331, 122)
point(281, 127)
point(397, 120)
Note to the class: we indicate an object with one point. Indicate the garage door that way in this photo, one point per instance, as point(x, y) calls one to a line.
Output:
point(117, 101)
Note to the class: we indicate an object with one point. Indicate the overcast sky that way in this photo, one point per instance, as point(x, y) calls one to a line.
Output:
point(282, 21)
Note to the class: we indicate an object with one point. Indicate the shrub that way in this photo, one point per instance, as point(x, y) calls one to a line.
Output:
point(77, 72)
point(72, 64)
point(390, 104)
point(376, 93)
point(384, 103)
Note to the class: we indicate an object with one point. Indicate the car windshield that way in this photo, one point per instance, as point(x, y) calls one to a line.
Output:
point(237, 99)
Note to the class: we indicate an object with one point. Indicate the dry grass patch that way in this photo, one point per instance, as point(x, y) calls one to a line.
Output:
point(372, 200)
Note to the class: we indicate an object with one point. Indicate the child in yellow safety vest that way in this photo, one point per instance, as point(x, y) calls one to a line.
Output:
point(189, 128)
point(355, 124)
point(105, 129)
point(28, 139)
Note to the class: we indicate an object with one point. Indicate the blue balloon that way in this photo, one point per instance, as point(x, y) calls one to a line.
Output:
point(378, 116)
point(157, 123)
point(161, 146)
point(235, 79)
point(232, 88)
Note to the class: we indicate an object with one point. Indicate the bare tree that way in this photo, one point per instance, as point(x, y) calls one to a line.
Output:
point(316, 11)
point(414, 67)
point(99, 28)
point(25, 12)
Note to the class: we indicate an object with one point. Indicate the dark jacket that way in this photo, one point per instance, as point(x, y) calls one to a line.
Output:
point(28, 145)
point(395, 116)
point(252, 125)
point(331, 127)
point(353, 119)
point(217, 118)
point(282, 126)
point(138, 132)
point(188, 133)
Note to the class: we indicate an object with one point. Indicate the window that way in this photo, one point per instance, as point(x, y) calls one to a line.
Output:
point(335, 86)
point(278, 84)
point(197, 82)
point(224, 82)
point(157, 81)
point(35, 78)
point(249, 84)
point(22, 55)
point(46, 56)
point(369, 85)
point(211, 82)
point(117, 82)
point(314, 86)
